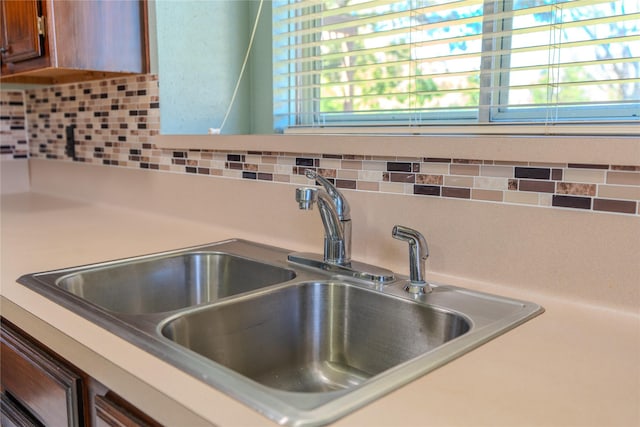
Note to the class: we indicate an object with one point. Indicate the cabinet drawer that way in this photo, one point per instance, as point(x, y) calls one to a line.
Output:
point(50, 391)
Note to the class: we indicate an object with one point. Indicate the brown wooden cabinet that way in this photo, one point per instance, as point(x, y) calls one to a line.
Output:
point(21, 37)
point(44, 387)
point(58, 41)
point(40, 388)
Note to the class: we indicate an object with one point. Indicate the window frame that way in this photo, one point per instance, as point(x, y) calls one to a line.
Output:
point(486, 114)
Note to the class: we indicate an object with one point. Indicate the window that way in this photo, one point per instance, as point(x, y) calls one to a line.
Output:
point(414, 63)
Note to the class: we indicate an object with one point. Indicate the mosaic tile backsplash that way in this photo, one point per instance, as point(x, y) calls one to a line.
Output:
point(115, 120)
point(13, 131)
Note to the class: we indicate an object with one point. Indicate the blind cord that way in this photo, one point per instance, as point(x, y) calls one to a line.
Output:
point(214, 131)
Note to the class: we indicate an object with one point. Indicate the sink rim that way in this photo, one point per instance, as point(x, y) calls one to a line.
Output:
point(340, 281)
point(160, 257)
point(286, 407)
point(71, 271)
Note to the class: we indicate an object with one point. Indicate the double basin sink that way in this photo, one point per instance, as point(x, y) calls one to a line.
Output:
point(303, 346)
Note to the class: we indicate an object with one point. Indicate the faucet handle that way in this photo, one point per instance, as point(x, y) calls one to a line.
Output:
point(418, 253)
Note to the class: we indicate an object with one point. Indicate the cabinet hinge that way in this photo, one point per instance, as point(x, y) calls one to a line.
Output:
point(41, 26)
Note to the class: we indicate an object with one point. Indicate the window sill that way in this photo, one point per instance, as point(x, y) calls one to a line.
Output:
point(613, 150)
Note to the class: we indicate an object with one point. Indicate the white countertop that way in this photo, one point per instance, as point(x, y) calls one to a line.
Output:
point(574, 365)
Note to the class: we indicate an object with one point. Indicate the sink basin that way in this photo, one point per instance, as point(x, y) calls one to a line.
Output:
point(302, 346)
point(172, 282)
point(315, 337)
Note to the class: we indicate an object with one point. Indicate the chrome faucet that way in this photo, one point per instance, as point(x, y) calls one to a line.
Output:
point(336, 218)
point(418, 254)
point(335, 214)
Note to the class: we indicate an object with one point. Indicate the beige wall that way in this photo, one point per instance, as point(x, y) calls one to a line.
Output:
point(569, 253)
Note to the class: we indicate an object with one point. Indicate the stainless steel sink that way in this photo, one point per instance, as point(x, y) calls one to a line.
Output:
point(315, 337)
point(302, 346)
point(171, 282)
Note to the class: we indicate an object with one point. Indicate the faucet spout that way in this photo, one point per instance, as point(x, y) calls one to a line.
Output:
point(335, 214)
point(306, 197)
point(339, 201)
point(336, 219)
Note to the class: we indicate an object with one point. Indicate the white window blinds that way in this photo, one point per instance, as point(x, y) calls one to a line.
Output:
point(421, 62)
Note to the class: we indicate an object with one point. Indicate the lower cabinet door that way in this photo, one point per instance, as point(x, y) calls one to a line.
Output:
point(48, 390)
point(39, 388)
point(113, 412)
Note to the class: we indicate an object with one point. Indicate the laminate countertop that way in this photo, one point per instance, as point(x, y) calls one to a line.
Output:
point(575, 365)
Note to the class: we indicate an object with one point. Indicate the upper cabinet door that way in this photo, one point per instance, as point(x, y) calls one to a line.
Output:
point(63, 41)
point(20, 35)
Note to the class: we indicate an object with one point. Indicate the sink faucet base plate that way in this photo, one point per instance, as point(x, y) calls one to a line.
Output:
point(354, 269)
